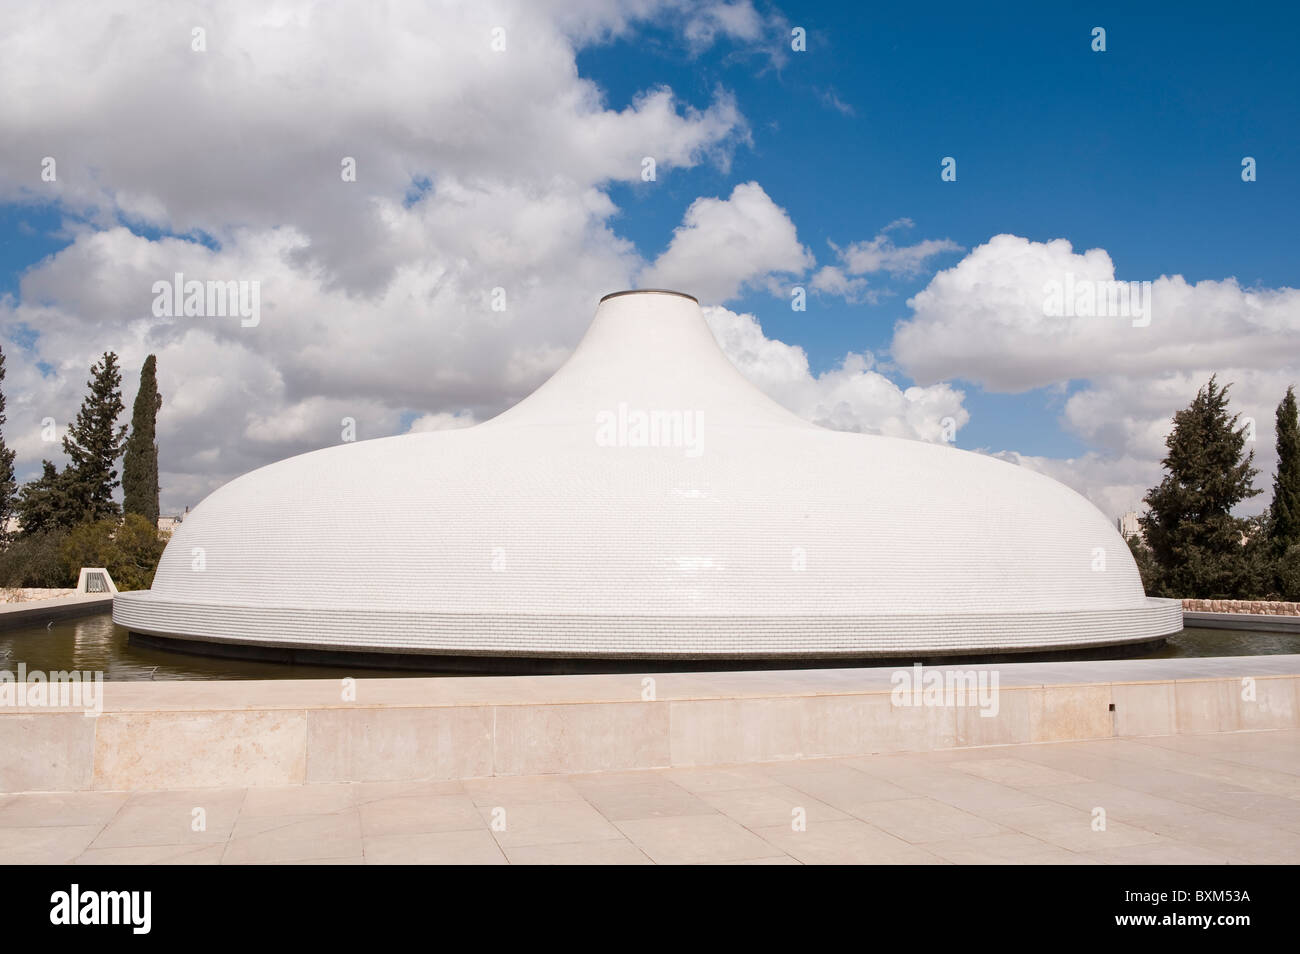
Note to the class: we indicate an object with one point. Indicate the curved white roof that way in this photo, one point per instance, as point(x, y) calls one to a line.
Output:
point(559, 529)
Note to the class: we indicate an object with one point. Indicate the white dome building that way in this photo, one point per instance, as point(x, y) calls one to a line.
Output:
point(648, 502)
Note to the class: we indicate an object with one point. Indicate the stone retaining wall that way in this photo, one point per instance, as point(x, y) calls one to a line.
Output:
point(1255, 607)
point(28, 594)
point(175, 734)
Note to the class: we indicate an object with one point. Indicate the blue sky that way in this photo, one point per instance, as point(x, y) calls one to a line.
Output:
point(226, 160)
point(1136, 149)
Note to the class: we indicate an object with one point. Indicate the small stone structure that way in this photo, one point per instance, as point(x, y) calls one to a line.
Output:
point(95, 579)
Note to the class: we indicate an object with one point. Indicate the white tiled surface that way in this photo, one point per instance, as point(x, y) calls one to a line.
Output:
point(528, 534)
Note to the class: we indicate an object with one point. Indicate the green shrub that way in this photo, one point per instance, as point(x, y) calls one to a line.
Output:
point(128, 548)
point(36, 560)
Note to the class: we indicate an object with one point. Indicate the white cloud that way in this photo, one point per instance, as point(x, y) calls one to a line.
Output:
point(724, 246)
point(476, 171)
point(984, 321)
point(831, 280)
point(880, 254)
point(851, 397)
point(251, 133)
point(442, 421)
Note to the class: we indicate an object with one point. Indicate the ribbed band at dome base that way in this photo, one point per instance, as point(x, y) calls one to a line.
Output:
point(684, 637)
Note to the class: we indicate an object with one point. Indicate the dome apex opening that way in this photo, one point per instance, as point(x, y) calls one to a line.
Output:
point(648, 291)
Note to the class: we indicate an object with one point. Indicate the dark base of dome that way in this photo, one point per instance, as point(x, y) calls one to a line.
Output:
point(522, 665)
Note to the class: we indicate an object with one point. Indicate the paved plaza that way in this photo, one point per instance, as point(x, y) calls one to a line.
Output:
point(1228, 798)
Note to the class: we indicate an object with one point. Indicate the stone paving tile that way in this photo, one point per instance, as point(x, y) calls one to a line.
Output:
point(898, 767)
point(434, 848)
point(173, 818)
point(1237, 838)
point(57, 809)
point(621, 852)
point(920, 820)
point(1209, 799)
point(314, 799)
point(535, 788)
point(769, 807)
point(719, 779)
point(546, 823)
point(1162, 852)
point(266, 839)
point(777, 860)
point(415, 813)
point(45, 846)
point(1142, 776)
point(1073, 828)
point(639, 795)
point(356, 860)
point(1016, 773)
point(1012, 848)
point(1209, 765)
point(971, 793)
point(1126, 805)
point(834, 783)
point(153, 855)
point(1270, 759)
point(696, 839)
point(370, 791)
point(846, 842)
point(1274, 810)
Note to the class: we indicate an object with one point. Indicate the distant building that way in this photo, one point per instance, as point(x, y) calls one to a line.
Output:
point(1128, 525)
point(168, 524)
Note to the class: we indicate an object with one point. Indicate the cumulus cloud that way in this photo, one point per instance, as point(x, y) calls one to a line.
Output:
point(1127, 418)
point(443, 284)
point(851, 397)
point(987, 320)
point(252, 132)
point(876, 256)
point(881, 254)
point(831, 280)
point(726, 245)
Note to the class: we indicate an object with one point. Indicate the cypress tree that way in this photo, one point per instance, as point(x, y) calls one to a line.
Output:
point(1284, 530)
point(140, 466)
point(1193, 536)
point(94, 442)
point(7, 484)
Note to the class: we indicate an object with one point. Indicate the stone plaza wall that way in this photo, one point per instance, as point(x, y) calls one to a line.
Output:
point(1253, 607)
point(169, 735)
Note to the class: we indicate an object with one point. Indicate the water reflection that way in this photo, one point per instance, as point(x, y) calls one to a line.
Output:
point(94, 643)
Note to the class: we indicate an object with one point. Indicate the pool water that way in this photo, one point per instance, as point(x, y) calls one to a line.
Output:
point(94, 643)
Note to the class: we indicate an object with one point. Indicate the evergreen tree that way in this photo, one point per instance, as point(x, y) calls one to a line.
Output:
point(47, 503)
point(1284, 528)
point(140, 466)
point(94, 442)
point(1193, 536)
point(7, 485)
point(1146, 564)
